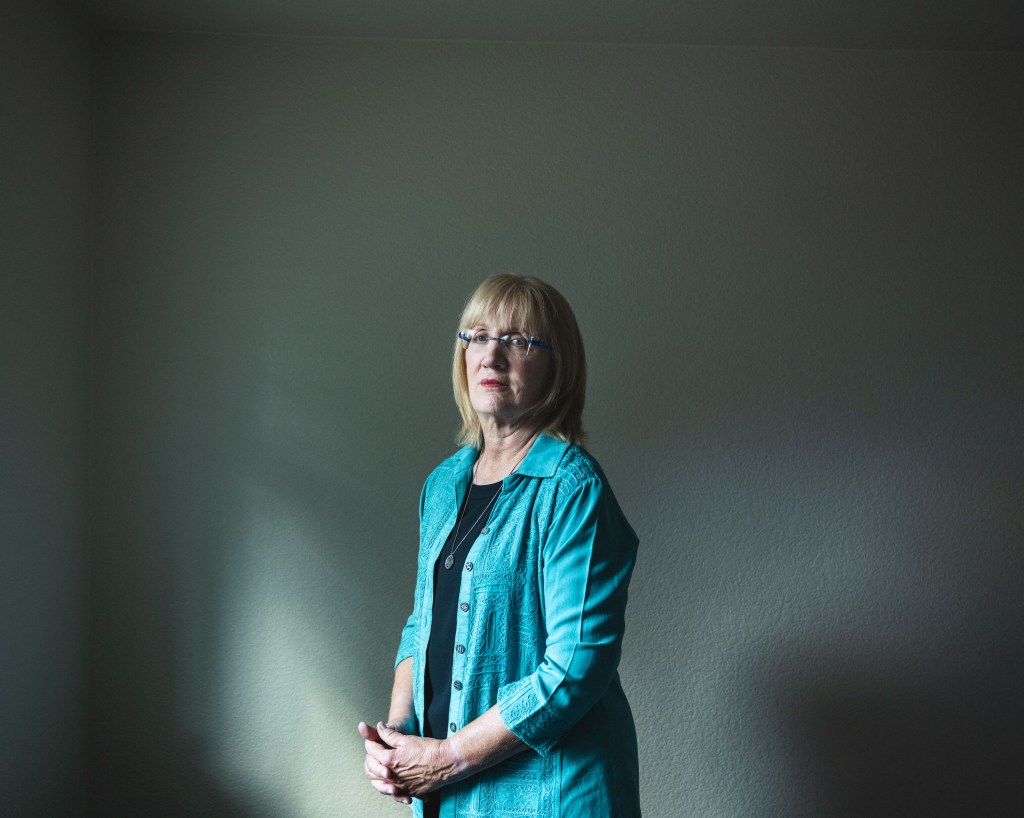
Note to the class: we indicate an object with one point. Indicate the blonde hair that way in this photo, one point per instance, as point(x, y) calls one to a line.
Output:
point(536, 309)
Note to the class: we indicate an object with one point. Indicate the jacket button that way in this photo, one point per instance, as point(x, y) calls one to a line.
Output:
point(452, 727)
point(457, 685)
point(483, 530)
point(469, 566)
point(460, 648)
point(464, 607)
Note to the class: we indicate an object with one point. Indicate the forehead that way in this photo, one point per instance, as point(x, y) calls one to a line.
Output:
point(501, 320)
point(496, 327)
point(508, 310)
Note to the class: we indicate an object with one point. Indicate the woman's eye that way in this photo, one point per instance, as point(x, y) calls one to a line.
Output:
point(480, 338)
point(517, 341)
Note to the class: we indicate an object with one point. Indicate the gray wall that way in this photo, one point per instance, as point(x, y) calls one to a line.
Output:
point(799, 276)
point(46, 120)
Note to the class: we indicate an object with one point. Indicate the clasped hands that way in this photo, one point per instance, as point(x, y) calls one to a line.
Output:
point(405, 766)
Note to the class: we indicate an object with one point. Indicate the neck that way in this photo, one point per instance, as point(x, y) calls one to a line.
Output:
point(502, 452)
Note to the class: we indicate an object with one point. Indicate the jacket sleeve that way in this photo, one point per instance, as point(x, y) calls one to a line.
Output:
point(588, 557)
point(407, 645)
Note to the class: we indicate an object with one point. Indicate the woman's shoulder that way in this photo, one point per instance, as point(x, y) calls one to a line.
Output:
point(579, 465)
point(579, 471)
point(579, 478)
point(459, 461)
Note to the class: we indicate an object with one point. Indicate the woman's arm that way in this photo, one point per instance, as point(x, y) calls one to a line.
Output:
point(588, 557)
point(482, 743)
point(401, 714)
point(402, 711)
point(416, 766)
point(401, 720)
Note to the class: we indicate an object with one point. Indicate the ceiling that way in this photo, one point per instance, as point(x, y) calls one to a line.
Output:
point(905, 24)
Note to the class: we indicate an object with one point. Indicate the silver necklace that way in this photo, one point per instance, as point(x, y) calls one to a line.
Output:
point(449, 561)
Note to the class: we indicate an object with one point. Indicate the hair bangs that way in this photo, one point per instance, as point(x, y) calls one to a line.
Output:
point(510, 306)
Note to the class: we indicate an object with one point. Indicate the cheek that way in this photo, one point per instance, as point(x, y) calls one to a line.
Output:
point(538, 381)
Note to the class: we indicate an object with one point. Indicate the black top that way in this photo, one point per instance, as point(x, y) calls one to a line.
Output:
point(441, 648)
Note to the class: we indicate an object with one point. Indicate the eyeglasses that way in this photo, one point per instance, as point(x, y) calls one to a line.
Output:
point(515, 343)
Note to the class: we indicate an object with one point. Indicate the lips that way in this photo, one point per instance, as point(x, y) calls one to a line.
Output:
point(491, 382)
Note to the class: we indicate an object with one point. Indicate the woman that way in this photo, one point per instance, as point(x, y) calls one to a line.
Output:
point(506, 698)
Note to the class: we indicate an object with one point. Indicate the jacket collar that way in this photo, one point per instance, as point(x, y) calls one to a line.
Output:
point(544, 456)
point(541, 461)
point(463, 460)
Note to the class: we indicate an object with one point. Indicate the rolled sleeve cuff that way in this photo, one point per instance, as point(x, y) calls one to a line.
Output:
point(406, 649)
point(526, 717)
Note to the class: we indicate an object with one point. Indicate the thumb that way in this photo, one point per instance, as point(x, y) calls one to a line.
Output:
point(390, 737)
point(367, 732)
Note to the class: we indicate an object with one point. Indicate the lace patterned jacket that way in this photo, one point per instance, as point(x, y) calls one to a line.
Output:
point(539, 632)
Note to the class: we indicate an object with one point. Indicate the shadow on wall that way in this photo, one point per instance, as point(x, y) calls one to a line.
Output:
point(950, 751)
point(932, 736)
point(207, 795)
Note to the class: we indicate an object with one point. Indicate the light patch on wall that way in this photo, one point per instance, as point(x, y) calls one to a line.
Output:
point(279, 718)
point(272, 676)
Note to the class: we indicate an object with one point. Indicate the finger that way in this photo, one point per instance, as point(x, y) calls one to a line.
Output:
point(367, 732)
point(376, 743)
point(375, 769)
point(388, 788)
point(382, 754)
point(390, 737)
point(401, 796)
point(367, 769)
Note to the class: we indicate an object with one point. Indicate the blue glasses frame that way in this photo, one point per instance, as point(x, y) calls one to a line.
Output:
point(508, 341)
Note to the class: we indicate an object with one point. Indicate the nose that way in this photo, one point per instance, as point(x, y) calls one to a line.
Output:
point(494, 354)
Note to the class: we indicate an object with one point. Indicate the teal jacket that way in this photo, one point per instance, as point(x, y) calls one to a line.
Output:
point(539, 633)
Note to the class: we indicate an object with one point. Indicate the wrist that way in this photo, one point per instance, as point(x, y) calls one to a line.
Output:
point(402, 724)
point(455, 759)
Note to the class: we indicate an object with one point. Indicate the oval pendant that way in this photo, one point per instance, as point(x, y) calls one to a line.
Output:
point(449, 561)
